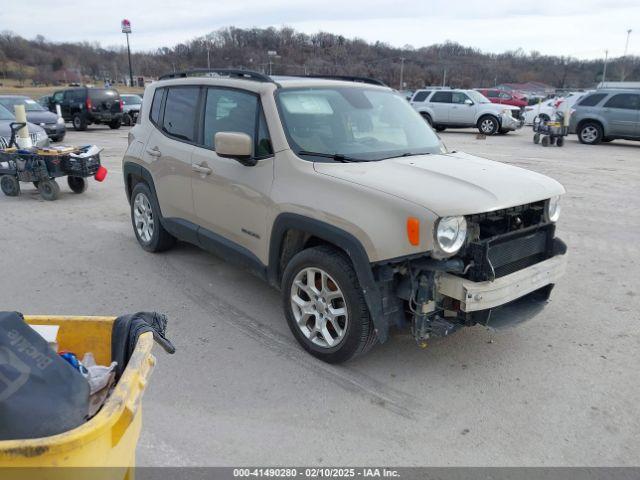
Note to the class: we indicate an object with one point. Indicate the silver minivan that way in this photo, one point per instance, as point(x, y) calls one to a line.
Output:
point(607, 115)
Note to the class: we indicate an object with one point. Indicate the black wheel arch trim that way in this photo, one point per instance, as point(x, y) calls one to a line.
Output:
point(341, 239)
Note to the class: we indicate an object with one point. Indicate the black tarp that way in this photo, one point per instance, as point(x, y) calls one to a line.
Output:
point(40, 393)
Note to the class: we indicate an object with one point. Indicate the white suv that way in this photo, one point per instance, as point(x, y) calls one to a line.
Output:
point(444, 108)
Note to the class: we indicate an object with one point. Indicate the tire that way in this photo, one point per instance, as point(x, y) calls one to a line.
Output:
point(440, 128)
point(347, 335)
point(559, 141)
point(35, 184)
point(49, 190)
point(503, 131)
point(127, 121)
point(488, 125)
point(545, 141)
point(58, 138)
point(427, 118)
point(145, 213)
point(10, 185)
point(115, 124)
point(77, 184)
point(607, 140)
point(79, 122)
point(536, 138)
point(590, 133)
point(544, 117)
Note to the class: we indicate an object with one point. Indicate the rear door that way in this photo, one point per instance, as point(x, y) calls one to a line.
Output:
point(440, 103)
point(232, 200)
point(621, 113)
point(168, 151)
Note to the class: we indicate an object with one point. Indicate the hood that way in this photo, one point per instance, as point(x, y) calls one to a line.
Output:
point(498, 107)
point(42, 117)
point(448, 184)
point(5, 130)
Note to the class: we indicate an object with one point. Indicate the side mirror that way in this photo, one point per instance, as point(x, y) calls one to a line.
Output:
point(236, 145)
point(468, 101)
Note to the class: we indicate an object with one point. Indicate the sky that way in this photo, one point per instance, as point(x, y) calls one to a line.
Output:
point(582, 29)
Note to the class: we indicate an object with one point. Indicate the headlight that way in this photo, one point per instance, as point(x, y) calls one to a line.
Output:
point(450, 234)
point(553, 209)
point(60, 121)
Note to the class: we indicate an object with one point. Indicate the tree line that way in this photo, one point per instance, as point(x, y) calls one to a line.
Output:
point(297, 53)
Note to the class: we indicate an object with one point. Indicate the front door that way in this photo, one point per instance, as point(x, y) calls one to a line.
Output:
point(462, 113)
point(232, 200)
point(621, 111)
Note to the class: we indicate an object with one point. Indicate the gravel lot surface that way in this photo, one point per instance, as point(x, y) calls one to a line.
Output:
point(561, 389)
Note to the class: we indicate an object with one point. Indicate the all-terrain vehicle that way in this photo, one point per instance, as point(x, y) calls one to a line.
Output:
point(341, 196)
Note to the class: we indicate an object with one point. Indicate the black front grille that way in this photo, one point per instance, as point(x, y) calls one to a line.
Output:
point(505, 254)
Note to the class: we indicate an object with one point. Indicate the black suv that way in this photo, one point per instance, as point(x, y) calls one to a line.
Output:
point(83, 106)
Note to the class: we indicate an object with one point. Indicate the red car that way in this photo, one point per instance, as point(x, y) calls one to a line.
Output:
point(504, 97)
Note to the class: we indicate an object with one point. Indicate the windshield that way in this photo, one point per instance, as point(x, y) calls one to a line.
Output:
point(5, 114)
point(477, 97)
point(29, 105)
point(355, 122)
point(131, 99)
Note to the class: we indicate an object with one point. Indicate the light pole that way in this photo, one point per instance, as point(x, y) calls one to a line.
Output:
point(604, 71)
point(624, 57)
point(402, 59)
point(272, 54)
point(126, 29)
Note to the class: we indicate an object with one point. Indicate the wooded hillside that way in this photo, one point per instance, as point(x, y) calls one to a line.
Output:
point(298, 53)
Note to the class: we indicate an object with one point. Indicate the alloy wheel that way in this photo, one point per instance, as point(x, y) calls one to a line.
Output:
point(319, 307)
point(143, 217)
point(589, 134)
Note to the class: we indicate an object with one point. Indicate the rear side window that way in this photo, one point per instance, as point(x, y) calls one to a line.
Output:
point(421, 96)
point(441, 97)
point(628, 101)
point(154, 115)
point(592, 100)
point(180, 113)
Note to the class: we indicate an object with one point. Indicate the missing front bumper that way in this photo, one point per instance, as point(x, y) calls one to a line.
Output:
point(475, 296)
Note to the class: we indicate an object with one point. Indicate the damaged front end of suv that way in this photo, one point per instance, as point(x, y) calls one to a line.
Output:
point(493, 269)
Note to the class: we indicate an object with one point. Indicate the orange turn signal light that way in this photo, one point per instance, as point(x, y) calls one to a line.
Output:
point(413, 230)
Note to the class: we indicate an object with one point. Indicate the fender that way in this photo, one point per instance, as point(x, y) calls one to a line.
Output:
point(131, 168)
point(342, 239)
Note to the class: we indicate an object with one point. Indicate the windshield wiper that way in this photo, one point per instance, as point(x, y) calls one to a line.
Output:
point(338, 157)
point(406, 154)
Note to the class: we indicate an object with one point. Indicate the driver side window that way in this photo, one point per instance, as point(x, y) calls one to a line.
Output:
point(459, 97)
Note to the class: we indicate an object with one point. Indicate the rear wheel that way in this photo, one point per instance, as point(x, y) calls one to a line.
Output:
point(49, 190)
point(545, 141)
point(488, 125)
point(590, 133)
point(145, 217)
point(77, 184)
point(325, 307)
point(536, 138)
point(79, 122)
point(10, 185)
point(114, 124)
point(127, 120)
point(560, 141)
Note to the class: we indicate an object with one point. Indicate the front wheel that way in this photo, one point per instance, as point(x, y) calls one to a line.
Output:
point(590, 133)
point(440, 128)
point(325, 307)
point(536, 138)
point(77, 184)
point(10, 185)
point(488, 125)
point(560, 141)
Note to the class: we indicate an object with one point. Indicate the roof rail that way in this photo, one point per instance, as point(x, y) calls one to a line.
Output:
point(347, 78)
point(222, 72)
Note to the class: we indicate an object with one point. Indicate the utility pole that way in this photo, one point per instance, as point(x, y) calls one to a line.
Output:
point(126, 29)
point(604, 71)
point(402, 59)
point(208, 59)
point(444, 77)
point(624, 57)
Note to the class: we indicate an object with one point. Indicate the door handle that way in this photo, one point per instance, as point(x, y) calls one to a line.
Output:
point(154, 152)
point(202, 169)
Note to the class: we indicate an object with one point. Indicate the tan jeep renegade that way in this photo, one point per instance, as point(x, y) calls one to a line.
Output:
point(340, 195)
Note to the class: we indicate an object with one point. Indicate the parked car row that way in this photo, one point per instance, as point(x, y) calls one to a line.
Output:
point(81, 106)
